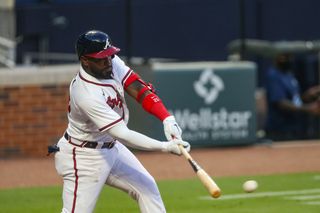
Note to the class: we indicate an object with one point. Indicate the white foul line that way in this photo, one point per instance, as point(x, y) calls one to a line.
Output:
point(312, 203)
point(261, 194)
point(304, 197)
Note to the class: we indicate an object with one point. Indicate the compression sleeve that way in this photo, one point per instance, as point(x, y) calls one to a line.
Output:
point(135, 139)
point(153, 104)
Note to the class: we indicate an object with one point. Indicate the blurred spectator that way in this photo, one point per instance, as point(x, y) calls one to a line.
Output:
point(288, 109)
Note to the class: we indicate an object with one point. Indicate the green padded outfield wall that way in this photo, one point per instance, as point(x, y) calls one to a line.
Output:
point(213, 102)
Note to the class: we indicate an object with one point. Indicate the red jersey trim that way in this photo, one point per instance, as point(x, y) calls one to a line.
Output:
point(105, 85)
point(99, 84)
point(111, 124)
point(125, 78)
point(76, 180)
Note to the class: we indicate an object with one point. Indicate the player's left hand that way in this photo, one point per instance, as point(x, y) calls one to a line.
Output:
point(173, 146)
point(171, 128)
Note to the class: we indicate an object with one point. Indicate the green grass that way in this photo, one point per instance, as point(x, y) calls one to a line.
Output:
point(185, 196)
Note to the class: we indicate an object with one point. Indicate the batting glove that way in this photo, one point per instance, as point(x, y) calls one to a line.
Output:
point(173, 146)
point(171, 128)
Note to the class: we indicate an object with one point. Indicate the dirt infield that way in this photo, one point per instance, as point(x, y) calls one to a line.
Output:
point(275, 158)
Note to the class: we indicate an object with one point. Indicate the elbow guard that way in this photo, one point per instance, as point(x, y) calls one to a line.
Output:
point(151, 102)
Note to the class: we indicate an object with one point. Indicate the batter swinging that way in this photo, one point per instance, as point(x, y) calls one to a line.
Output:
point(92, 151)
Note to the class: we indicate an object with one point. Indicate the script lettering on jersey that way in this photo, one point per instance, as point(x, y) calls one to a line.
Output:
point(112, 102)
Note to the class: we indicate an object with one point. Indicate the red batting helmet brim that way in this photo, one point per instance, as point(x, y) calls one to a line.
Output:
point(111, 50)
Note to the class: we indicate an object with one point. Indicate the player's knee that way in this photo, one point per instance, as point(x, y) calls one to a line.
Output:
point(152, 186)
point(148, 187)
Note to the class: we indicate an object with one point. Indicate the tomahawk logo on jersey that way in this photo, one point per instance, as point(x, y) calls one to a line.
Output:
point(113, 102)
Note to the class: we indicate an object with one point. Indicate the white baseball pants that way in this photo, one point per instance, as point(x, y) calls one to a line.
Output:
point(85, 171)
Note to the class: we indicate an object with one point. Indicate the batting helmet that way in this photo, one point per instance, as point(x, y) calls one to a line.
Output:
point(95, 44)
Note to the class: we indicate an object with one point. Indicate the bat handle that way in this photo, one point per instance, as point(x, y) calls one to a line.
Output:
point(184, 152)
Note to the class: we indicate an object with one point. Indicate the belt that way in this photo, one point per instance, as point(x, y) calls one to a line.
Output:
point(89, 144)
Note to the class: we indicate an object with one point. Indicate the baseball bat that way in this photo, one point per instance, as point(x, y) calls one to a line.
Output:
point(205, 179)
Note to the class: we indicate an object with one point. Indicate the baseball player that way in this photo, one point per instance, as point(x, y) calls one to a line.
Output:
point(92, 151)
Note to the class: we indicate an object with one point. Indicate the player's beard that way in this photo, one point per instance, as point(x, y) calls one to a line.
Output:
point(102, 74)
point(107, 73)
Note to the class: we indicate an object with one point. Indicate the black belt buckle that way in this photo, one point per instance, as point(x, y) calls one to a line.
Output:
point(92, 145)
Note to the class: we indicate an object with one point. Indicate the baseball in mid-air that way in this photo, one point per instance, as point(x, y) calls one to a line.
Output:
point(250, 186)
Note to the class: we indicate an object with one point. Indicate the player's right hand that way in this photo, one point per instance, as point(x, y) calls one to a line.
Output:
point(172, 146)
point(171, 128)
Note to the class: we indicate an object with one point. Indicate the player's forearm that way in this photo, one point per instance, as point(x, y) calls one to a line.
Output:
point(145, 95)
point(134, 139)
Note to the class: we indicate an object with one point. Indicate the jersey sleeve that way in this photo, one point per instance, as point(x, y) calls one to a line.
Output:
point(100, 113)
point(121, 71)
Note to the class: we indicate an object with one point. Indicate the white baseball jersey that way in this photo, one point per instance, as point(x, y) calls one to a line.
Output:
point(97, 104)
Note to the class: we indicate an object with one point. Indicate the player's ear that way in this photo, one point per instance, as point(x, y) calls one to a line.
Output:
point(84, 60)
